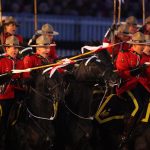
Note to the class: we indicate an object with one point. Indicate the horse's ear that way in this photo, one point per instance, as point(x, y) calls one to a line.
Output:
point(80, 72)
point(104, 56)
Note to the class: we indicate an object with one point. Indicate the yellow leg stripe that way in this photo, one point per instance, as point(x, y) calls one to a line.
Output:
point(101, 109)
point(147, 114)
point(109, 119)
point(135, 104)
point(103, 105)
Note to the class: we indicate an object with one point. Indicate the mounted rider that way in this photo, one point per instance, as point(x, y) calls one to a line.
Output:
point(121, 36)
point(9, 82)
point(41, 56)
point(130, 65)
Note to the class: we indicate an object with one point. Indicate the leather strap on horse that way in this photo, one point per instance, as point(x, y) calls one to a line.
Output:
point(101, 110)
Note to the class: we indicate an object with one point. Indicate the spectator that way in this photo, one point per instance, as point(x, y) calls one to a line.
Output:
point(80, 7)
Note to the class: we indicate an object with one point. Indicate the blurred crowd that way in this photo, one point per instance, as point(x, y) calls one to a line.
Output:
point(96, 8)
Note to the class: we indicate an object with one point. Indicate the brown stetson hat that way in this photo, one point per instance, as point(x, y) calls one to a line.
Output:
point(12, 41)
point(123, 29)
point(131, 20)
point(42, 40)
point(47, 28)
point(9, 20)
point(147, 20)
point(138, 38)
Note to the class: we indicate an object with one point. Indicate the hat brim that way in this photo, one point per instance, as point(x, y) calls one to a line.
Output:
point(6, 45)
point(126, 34)
point(138, 43)
point(39, 45)
point(17, 25)
point(123, 33)
point(147, 22)
point(42, 45)
point(53, 33)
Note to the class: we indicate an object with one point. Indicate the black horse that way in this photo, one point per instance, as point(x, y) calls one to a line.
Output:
point(85, 88)
point(137, 137)
point(90, 93)
point(34, 125)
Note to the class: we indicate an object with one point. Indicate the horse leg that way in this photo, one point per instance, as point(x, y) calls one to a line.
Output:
point(134, 119)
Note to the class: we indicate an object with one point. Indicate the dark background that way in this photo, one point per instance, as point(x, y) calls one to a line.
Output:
point(98, 9)
point(95, 8)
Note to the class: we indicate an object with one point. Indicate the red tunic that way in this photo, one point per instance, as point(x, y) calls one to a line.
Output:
point(115, 49)
point(35, 60)
point(6, 65)
point(125, 62)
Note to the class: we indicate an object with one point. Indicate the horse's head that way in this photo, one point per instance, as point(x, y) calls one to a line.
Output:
point(87, 75)
point(97, 68)
point(89, 70)
point(45, 93)
point(109, 74)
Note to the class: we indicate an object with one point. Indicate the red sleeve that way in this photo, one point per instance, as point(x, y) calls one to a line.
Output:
point(122, 65)
point(28, 63)
point(106, 40)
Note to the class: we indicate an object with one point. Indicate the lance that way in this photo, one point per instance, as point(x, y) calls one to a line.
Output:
point(1, 20)
point(119, 11)
point(113, 28)
point(114, 18)
point(73, 59)
point(143, 6)
point(52, 65)
point(35, 15)
point(1, 34)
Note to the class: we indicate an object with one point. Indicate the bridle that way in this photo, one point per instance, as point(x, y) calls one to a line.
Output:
point(54, 102)
point(90, 117)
